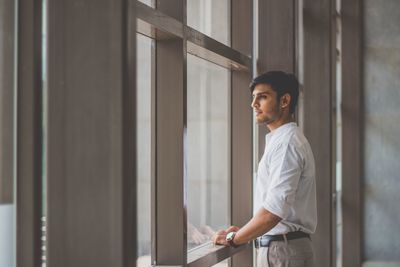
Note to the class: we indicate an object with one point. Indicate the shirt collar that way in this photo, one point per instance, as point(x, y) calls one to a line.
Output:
point(279, 130)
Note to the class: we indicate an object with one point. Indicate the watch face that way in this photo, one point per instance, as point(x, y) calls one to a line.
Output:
point(230, 236)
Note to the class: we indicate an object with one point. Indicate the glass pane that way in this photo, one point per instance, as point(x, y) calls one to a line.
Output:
point(148, 2)
point(7, 133)
point(143, 163)
point(207, 151)
point(224, 263)
point(211, 18)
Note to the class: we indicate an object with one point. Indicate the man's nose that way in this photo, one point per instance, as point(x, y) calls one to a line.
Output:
point(254, 103)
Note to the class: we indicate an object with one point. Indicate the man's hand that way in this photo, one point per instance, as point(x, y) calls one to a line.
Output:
point(232, 229)
point(220, 237)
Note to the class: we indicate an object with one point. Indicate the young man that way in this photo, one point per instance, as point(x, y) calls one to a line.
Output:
point(285, 199)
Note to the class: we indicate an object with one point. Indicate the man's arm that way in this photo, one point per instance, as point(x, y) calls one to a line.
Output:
point(262, 222)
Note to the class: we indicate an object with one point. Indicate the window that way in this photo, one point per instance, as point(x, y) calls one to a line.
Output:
point(211, 18)
point(208, 167)
point(190, 195)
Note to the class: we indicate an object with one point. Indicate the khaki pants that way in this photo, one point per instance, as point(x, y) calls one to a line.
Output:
point(290, 253)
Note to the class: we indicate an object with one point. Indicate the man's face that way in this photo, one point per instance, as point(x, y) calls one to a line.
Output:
point(265, 104)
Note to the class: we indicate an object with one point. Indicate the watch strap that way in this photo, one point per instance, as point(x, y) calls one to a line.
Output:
point(231, 242)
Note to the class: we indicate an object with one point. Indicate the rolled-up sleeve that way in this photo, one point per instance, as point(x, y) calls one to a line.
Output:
point(285, 170)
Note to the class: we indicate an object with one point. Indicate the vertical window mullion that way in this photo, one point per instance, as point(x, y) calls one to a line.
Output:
point(241, 126)
point(170, 225)
point(28, 134)
point(318, 72)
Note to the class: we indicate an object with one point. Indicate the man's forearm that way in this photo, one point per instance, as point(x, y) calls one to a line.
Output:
point(262, 222)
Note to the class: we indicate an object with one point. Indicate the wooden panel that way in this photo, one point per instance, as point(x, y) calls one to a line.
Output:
point(241, 127)
point(318, 116)
point(242, 175)
point(91, 200)
point(351, 119)
point(276, 43)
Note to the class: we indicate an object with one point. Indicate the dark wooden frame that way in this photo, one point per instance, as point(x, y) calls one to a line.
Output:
point(241, 127)
point(352, 134)
point(7, 85)
point(29, 154)
point(170, 220)
point(319, 117)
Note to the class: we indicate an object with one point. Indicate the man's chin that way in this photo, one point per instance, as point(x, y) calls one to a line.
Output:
point(263, 121)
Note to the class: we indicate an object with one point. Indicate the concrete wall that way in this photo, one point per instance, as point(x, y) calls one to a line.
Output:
point(381, 133)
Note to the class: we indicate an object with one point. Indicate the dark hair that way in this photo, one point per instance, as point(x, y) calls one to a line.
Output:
point(282, 83)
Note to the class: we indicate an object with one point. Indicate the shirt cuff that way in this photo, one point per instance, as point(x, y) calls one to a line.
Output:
point(281, 210)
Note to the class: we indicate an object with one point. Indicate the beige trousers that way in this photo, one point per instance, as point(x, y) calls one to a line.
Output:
point(290, 253)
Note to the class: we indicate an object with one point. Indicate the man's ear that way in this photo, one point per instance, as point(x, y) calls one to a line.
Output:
point(285, 100)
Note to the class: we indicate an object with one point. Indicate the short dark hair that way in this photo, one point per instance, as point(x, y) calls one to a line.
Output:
point(282, 83)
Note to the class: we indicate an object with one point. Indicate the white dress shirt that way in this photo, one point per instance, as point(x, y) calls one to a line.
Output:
point(286, 180)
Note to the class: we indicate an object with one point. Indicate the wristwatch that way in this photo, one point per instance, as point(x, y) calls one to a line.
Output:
point(229, 239)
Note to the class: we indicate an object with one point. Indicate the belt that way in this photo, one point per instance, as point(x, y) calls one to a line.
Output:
point(264, 240)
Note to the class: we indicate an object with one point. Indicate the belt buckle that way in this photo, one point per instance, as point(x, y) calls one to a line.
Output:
point(256, 243)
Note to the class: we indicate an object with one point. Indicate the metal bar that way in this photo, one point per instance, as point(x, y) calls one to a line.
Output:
point(29, 138)
point(157, 19)
point(351, 131)
point(318, 114)
point(156, 24)
point(209, 49)
point(210, 255)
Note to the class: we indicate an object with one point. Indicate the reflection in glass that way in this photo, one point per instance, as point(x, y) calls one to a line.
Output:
point(7, 133)
point(207, 150)
point(148, 2)
point(143, 144)
point(224, 263)
point(211, 18)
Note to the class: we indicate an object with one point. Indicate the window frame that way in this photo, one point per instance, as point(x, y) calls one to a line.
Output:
point(166, 24)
